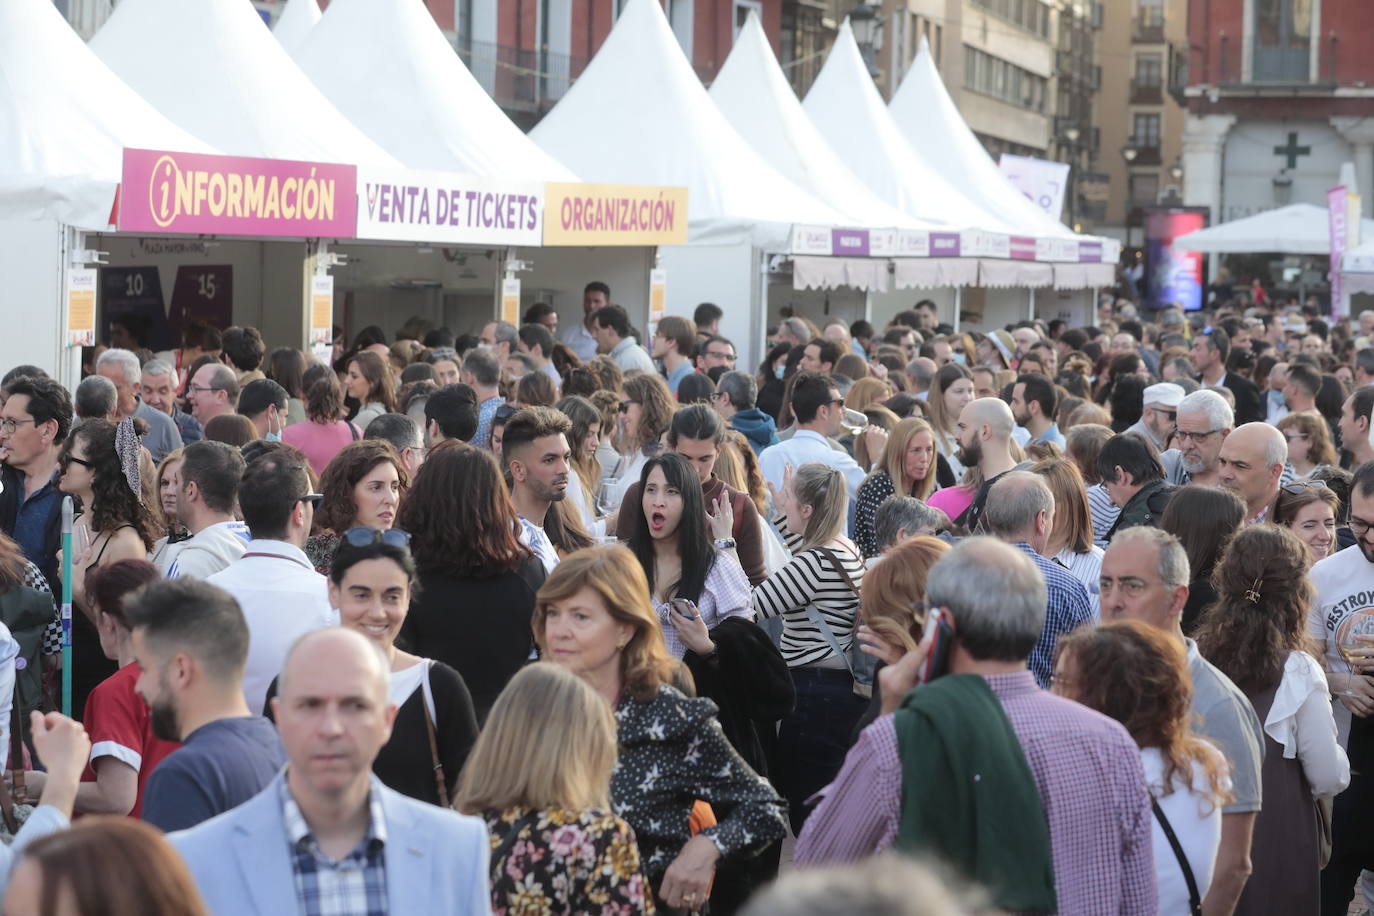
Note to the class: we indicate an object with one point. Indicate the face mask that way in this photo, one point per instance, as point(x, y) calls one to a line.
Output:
point(779, 372)
point(486, 348)
point(960, 358)
point(273, 437)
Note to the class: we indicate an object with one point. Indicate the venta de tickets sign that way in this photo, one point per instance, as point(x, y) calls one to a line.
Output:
point(420, 206)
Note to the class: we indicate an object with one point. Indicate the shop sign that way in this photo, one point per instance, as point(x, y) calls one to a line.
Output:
point(610, 214)
point(448, 208)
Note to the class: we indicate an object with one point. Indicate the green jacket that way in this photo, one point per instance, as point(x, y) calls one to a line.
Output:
point(968, 794)
point(1144, 508)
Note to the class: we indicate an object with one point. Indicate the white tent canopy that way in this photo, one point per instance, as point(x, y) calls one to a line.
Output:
point(214, 69)
point(387, 67)
point(755, 98)
point(295, 23)
point(65, 120)
point(928, 118)
point(639, 115)
point(1294, 229)
point(845, 105)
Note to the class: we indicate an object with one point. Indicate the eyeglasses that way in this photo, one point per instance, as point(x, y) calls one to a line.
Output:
point(366, 537)
point(727, 357)
point(1184, 435)
point(204, 388)
point(313, 498)
point(66, 458)
point(1130, 586)
point(625, 406)
point(10, 426)
point(1299, 487)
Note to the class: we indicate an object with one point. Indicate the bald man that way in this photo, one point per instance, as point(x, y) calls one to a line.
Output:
point(326, 818)
point(1251, 465)
point(984, 436)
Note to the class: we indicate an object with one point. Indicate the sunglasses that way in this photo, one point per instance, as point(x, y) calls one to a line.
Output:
point(313, 498)
point(1170, 415)
point(67, 458)
point(505, 412)
point(1298, 487)
point(366, 537)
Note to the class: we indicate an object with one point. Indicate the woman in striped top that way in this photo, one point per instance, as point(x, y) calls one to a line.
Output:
point(825, 573)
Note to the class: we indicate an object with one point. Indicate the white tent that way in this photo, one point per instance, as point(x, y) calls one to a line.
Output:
point(295, 23)
point(754, 96)
point(639, 115)
point(65, 120)
point(1294, 229)
point(213, 68)
point(929, 120)
point(845, 105)
point(1357, 267)
point(387, 67)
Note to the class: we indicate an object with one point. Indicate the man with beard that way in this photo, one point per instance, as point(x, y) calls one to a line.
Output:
point(984, 436)
point(1033, 402)
point(1204, 421)
point(191, 642)
point(536, 453)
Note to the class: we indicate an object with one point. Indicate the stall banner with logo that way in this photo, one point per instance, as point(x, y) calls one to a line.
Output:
point(81, 282)
point(510, 300)
point(196, 193)
point(612, 214)
point(321, 309)
point(1042, 181)
point(448, 208)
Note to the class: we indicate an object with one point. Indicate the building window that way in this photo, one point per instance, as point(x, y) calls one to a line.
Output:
point(1031, 15)
point(742, 8)
point(1149, 70)
point(1144, 190)
point(1147, 131)
point(1000, 79)
point(1151, 13)
point(1283, 41)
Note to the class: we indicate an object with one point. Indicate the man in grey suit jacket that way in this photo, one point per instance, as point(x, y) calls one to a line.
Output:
point(326, 836)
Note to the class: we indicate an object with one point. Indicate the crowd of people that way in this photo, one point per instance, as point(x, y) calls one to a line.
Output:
point(1068, 620)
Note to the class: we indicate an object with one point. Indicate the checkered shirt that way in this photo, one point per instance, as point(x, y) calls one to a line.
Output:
point(353, 886)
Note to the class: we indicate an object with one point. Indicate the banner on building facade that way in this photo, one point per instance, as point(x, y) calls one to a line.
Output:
point(612, 214)
point(420, 206)
point(236, 195)
point(1042, 181)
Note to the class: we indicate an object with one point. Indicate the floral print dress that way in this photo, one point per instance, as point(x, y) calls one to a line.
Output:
point(566, 863)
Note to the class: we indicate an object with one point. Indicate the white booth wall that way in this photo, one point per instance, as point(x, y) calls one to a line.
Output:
point(33, 258)
point(726, 275)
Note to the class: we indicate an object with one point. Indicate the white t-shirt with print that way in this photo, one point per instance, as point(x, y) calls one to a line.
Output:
point(1344, 608)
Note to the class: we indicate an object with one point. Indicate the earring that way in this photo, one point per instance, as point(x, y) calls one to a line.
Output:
point(619, 646)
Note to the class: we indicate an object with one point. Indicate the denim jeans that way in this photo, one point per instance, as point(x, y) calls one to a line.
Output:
point(813, 741)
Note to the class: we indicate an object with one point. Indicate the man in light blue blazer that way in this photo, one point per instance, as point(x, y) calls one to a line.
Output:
point(326, 837)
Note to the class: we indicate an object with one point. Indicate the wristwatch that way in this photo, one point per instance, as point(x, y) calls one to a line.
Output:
point(724, 543)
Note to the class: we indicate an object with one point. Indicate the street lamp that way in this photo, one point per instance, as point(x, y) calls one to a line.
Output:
point(1130, 151)
point(1176, 171)
point(868, 34)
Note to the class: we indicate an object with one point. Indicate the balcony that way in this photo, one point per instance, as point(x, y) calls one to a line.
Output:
point(1147, 30)
point(1178, 73)
point(1148, 155)
point(1147, 92)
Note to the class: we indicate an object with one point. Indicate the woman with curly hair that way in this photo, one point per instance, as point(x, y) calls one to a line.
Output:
point(1256, 633)
point(609, 377)
point(362, 488)
point(100, 468)
point(1137, 674)
point(1309, 443)
point(477, 581)
point(646, 410)
point(370, 381)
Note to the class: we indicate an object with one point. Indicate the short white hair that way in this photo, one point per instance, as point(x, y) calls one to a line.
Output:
point(1204, 401)
point(133, 369)
point(161, 367)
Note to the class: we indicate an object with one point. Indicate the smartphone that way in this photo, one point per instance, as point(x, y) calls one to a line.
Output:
point(685, 608)
point(937, 661)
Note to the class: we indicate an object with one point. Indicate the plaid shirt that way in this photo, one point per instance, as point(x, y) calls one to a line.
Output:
point(1091, 784)
point(1066, 609)
point(353, 886)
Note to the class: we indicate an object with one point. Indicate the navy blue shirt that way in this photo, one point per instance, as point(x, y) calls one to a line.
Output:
point(219, 766)
point(31, 526)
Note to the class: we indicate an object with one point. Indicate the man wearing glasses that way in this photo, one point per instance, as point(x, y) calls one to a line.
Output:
point(213, 390)
point(1203, 423)
point(1159, 417)
point(34, 423)
point(716, 351)
point(276, 586)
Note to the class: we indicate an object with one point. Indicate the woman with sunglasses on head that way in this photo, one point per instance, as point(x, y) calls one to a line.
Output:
point(100, 468)
point(477, 581)
point(1308, 508)
point(362, 488)
point(646, 410)
point(371, 581)
point(1309, 443)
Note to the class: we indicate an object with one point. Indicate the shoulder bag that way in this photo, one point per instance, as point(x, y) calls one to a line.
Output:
point(1194, 898)
point(859, 662)
point(439, 782)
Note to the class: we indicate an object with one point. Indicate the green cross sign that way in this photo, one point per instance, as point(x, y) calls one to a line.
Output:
point(1292, 151)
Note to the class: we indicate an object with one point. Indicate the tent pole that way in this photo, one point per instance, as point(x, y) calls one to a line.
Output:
point(1031, 315)
point(958, 306)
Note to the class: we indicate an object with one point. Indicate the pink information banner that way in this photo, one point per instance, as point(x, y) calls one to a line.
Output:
point(234, 195)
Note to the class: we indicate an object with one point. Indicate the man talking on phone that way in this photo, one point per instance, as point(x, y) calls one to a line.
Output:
point(1086, 786)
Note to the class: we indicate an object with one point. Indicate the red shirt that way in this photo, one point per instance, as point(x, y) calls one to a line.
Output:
point(120, 725)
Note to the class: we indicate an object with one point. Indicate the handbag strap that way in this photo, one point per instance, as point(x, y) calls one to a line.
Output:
point(839, 567)
point(814, 615)
point(439, 782)
point(1194, 898)
point(499, 854)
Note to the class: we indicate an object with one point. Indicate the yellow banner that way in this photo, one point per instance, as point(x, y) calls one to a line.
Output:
point(614, 214)
point(510, 300)
point(81, 285)
point(321, 308)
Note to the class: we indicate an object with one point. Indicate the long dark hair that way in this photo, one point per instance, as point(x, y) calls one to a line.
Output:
point(1203, 519)
point(116, 504)
point(286, 367)
point(460, 516)
point(693, 537)
point(1263, 595)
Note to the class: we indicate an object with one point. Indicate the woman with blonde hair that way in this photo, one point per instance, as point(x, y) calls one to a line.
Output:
point(909, 466)
point(867, 391)
point(952, 390)
point(1138, 675)
point(168, 484)
point(1071, 539)
point(817, 596)
point(1309, 443)
point(593, 616)
point(540, 776)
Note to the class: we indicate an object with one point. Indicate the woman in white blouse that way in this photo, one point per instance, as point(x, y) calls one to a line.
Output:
point(1071, 539)
point(1138, 675)
point(1256, 633)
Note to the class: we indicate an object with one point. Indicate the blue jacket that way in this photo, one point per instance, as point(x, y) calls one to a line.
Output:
point(757, 427)
point(436, 859)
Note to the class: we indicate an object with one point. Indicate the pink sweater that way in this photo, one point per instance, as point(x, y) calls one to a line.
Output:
point(320, 441)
